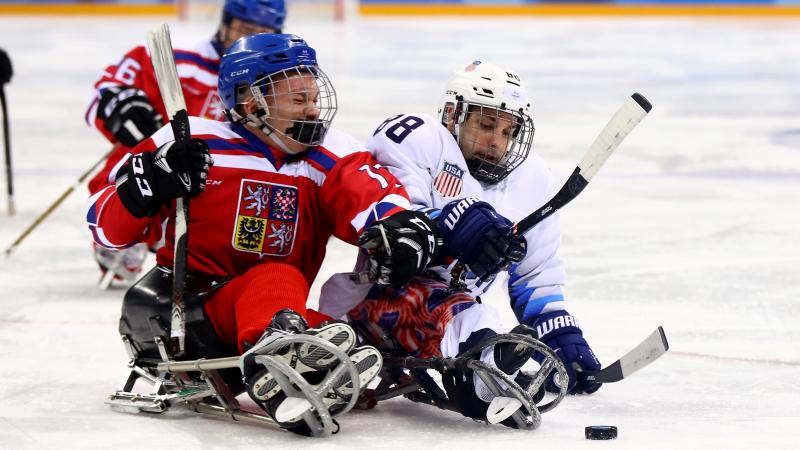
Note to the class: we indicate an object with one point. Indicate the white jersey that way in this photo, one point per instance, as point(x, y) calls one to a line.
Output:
point(426, 159)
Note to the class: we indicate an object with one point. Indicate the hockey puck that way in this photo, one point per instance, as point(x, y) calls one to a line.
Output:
point(601, 432)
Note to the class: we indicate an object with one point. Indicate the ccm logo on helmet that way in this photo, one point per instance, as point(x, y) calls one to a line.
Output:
point(236, 73)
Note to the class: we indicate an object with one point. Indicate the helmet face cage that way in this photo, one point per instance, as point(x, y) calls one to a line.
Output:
point(494, 141)
point(298, 103)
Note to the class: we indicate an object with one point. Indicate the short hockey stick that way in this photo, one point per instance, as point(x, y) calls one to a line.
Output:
point(160, 46)
point(622, 122)
point(642, 355)
point(6, 72)
point(7, 145)
point(56, 203)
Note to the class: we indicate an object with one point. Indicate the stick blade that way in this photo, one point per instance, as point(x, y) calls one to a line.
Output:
point(641, 356)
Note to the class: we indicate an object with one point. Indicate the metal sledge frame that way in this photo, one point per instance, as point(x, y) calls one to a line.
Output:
point(417, 388)
point(171, 384)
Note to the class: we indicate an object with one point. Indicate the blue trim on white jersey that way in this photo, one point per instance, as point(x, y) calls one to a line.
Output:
point(432, 213)
point(525, 307)
point(534, 307)
point(181, 56)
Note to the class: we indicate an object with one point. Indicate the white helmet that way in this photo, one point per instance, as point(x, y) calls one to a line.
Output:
point(494, 93)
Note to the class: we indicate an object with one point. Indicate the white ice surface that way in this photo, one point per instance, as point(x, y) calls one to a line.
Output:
point(692, 225)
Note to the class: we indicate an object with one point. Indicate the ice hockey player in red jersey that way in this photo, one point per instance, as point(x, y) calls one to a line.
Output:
point(268, 189)
point(127, 107)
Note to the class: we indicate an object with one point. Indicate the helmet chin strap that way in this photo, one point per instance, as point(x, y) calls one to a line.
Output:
point(260, 122)
point(458, 118)
point(279, 142)
point(259, 119)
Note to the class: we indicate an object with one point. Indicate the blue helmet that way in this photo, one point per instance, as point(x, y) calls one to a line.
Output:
point(265, 13)
point(252, 58)
point(251, 66)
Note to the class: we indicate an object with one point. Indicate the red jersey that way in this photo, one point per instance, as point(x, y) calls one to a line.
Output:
point(261, 205)
point(198, 71)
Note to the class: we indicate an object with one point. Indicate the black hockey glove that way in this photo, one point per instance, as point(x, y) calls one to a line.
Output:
point(151, 179)
point(127, 113)
point(400, 247)
point(479, 237)
point(5, 68)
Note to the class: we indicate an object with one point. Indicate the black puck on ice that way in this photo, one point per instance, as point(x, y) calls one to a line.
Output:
point(601, 432)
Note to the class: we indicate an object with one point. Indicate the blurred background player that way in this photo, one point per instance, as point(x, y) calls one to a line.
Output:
point(477, 148)
point(127, 107)
point(281, 182)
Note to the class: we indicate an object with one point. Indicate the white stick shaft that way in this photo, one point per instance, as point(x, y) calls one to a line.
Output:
point(160, 46)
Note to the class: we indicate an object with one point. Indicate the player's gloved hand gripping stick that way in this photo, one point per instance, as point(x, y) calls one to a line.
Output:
point(160, 46)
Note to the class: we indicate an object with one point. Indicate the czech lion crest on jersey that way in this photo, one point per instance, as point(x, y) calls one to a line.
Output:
point(450, 180)
point(266, 219)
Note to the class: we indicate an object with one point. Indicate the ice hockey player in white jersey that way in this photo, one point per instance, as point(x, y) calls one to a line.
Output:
point(475, 152)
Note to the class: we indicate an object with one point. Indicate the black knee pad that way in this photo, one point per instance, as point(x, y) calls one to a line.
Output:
point(146, 313)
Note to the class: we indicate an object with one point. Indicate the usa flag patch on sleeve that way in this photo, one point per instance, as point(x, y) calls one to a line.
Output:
point(449, 182)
